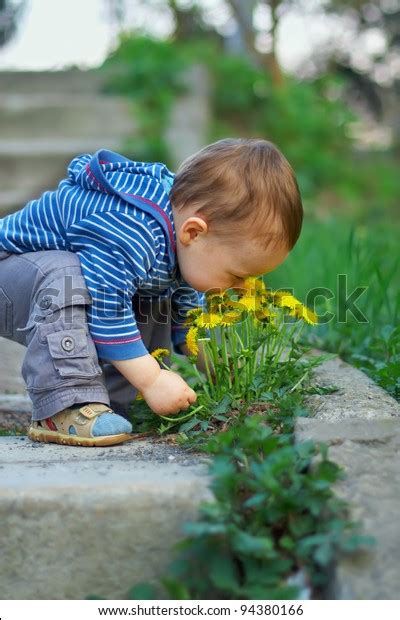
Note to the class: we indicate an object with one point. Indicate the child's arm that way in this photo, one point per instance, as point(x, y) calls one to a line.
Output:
point(164, 390)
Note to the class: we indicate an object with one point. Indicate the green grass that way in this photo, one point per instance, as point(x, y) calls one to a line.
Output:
point(5, 432)
point(367, 253)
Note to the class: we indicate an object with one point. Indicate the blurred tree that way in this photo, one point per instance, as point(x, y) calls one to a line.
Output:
point(243, 11)
point(192, 21)
point(117, 14)
point(250, 28)
point(188, 21)
point(10, 13)
point(373, 77)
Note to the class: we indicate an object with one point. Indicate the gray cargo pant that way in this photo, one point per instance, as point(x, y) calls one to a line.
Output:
point(43, 299)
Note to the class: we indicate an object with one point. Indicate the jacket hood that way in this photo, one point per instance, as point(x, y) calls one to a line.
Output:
point(81, 172)
point(143, 184)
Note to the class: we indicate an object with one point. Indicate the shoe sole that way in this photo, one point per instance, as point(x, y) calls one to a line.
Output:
point(73, 440)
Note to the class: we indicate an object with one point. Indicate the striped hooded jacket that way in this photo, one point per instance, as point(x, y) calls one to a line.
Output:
point(116, 215)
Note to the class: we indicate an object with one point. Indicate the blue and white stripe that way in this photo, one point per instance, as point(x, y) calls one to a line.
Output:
point(116, 215)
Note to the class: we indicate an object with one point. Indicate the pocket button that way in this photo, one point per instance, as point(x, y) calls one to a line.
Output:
point(68, 343)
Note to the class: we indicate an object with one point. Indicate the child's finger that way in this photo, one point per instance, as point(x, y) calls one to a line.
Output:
point(192, 397)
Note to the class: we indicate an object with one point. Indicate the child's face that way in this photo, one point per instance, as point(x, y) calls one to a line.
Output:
point(207, 262)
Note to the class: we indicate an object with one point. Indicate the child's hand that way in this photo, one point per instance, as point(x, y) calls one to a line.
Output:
point(169, 394)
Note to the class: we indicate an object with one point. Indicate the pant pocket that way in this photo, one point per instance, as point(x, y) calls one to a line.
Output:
point(60, 355)
point(70, 354)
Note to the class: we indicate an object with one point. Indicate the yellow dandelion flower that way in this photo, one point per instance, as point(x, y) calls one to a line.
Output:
point(263, 314)
point(232, 305)
point(191, 340)
point(284, 299)
point(191, 315)
point(216, 301)
point(230, 317)
point(267, 296)
point(251, 303)
point(253, 285)
point(208, 320)
point(302, 312)
point(280, 293)
point(139, 396)
point(220, 295)
point(159, 353)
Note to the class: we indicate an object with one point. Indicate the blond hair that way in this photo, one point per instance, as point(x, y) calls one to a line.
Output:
point(239, 183)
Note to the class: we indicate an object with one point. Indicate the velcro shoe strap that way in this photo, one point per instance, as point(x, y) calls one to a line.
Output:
point(94, 409)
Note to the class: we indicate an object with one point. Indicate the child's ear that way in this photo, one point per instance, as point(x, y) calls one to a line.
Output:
point(191, 229)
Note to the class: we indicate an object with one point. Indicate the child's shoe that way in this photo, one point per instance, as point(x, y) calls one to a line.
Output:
point(93, 424)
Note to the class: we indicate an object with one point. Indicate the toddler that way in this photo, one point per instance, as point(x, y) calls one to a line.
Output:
point(101, 271)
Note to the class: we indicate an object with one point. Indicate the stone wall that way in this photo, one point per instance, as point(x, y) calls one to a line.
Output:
point(45, 120)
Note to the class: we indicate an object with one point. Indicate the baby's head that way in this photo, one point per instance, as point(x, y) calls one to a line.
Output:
point(237, 212)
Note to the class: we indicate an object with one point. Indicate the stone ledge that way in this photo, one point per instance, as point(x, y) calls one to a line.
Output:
point(81, 521)
point(355, 430)
point(361, 423)
point(15, 412)
point(372, 488)
point(357, 396)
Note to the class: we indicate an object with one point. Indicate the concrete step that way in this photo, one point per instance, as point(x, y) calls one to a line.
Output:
point(11, 356)
point(27, 168)
point(26, 163)
point(82, 521)
point(15, 413)
point(27, 175)
point(12, 200)
point(46, 119)
point(71, 82)
point(15, 404)
point(64, 116)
